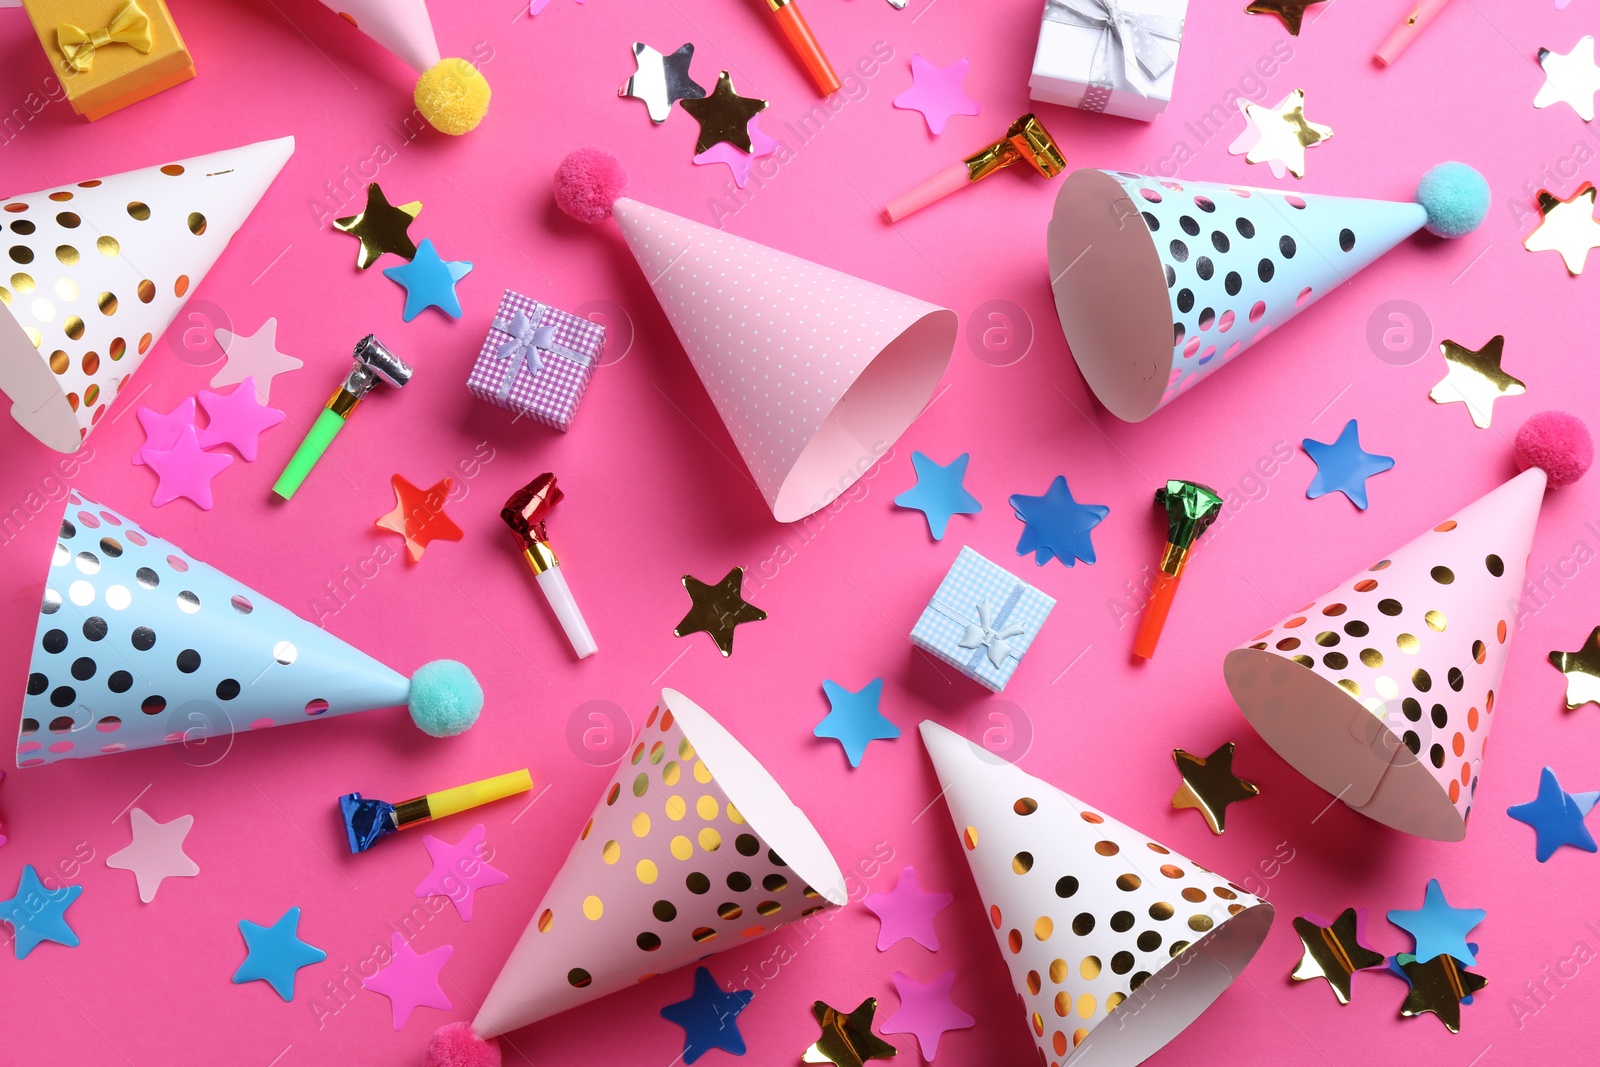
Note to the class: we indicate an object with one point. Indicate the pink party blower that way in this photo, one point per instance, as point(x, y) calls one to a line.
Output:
point(1408, 29)
point(1026, 141)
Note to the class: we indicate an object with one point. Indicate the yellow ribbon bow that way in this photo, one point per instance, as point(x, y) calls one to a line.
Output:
point(131, 27)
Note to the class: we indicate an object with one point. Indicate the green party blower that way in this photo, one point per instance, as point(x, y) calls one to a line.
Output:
point(374, 364)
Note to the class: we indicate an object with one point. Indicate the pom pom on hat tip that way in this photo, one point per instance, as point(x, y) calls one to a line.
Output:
point(588, 182)
point(455, 1045)
point(453, 96)
point(1456, 198)
point(445, 698)
point(1557, 443)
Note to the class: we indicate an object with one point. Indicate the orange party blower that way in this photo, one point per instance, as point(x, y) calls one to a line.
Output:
point(1191, 508)
point(1027, 141)
point(805, 45)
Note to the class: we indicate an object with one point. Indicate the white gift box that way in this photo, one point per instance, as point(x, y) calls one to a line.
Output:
point(1104, 55)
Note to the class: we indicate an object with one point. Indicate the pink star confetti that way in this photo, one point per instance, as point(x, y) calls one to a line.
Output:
point(741, 162)
point(411, 980)
point(459, 870)
point(237, 418)
point(907, 911)
point(937, 93)
point(254, 356)
point(155, 853)
point(161, 431)
point(185, 470)
point(927, 1011)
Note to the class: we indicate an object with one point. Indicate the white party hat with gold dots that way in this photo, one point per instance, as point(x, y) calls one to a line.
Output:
point(93, 273)
point(1115, 943)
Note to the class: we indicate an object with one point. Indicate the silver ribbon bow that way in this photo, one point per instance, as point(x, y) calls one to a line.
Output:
point(985, 636)
point(528, 338)
point(1123, 34)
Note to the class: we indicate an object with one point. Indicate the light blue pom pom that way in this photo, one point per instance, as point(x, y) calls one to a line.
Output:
point(1456, 198)
point(445, 698)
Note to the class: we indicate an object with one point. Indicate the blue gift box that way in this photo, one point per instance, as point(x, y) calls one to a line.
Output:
point(982, 620)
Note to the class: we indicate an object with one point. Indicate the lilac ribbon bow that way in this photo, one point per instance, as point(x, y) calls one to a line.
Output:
point(529, 337)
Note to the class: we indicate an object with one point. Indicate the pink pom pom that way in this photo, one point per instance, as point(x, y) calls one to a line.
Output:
point(1557, 443)
point(588, 182)
point(455, 1045)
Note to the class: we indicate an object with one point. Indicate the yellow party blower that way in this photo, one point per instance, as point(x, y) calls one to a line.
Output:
point(366, 822)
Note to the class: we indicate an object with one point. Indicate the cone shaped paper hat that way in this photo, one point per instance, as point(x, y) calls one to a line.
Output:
point(1382, 691)
point(141, 644)
point(693, 848)
point(1158, 282)
point(97, 271)
point(401, 26)
point(815, 373)
point(1115, 943)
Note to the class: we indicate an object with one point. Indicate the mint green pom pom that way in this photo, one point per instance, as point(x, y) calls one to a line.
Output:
point(445, 698)
point(1456, 198)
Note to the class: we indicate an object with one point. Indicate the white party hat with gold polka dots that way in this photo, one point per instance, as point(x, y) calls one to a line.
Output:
point(815, 373)
point(1115, 943)
point(140, 644)
point(693, 848)
point(1382, 691)
point(92, 274)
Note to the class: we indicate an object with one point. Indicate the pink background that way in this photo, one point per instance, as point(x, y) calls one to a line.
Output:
point(655, 490)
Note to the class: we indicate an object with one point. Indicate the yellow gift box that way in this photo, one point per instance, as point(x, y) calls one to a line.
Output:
point(110, 53)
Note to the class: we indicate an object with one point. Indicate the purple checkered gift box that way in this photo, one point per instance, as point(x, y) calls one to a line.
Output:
point(537, 360)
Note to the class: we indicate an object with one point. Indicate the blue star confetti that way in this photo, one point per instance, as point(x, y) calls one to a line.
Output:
point(276, 953)
point(429, 282)
point(854, 719)
point(1439, 929)
point(1556, 817)
point(1057, 526)
point(1344, 466)
point(708, 1017)
point(38, 914)
point(939, 492)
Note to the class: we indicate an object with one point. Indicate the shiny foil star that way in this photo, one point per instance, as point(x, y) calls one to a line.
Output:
point(1209, 784)
point(1582, 669)
point(661, 80)
point(1333, 952)
point(1474, 378)
point(1572, 79)
point(1279, 136)
point(1289, 12)
point(419, 517)
point(717, 609)
point(380, 227)
point(1438, 986)
point(1567, 226)
point(724, 116)
point(847, 1040)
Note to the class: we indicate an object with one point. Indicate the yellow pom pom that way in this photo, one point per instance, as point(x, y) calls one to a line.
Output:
point(452, 96)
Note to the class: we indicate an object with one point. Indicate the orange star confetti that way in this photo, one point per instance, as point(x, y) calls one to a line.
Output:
point(419, 516)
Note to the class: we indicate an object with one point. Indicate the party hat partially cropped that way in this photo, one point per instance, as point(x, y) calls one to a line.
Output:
point(140, 644)
point(1115, 943)
point(1159, 282)
point(97, 270)
point(692, 848)
point(451, 93)
point(1382, 691)
point(814, 372)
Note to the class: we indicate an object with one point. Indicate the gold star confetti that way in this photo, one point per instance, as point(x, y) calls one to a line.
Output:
point(1474, 378)
point(1289, 12)
point(1279, 136)
point(1582, 669)
point(724, 116)
point(1438, 986)
point(1209, 784)
point(847, 1040)
point(718, 609)
point(1334, 953)
point(1568, 227)
point(1572, 79)
point(381, 227)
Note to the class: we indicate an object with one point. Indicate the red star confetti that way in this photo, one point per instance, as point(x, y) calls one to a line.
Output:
point(419, 516)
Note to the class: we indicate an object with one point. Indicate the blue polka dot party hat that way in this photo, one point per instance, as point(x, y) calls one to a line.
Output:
point(1160, 282)
point(140, 644)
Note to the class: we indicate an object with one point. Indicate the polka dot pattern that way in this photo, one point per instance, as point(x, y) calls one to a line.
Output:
point(139, 644)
